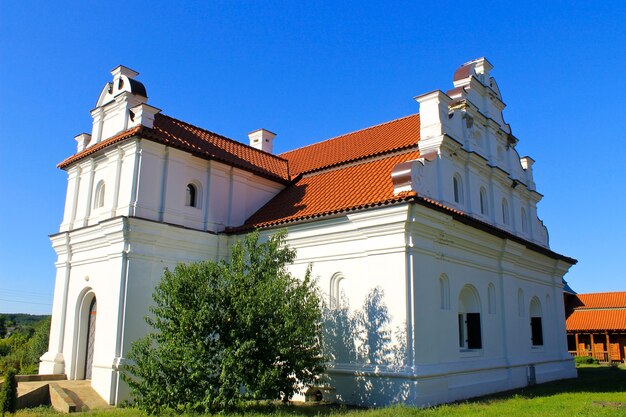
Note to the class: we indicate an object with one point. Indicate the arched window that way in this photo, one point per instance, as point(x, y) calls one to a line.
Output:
point(505, 211)
point(524, 220)
point(335, 289)
point(470, 336)
point(444, 292)
point(191, 199)
point(536, 327)
point(484, 202)
point(491, 295)
point(457, 185)
point(99, 195)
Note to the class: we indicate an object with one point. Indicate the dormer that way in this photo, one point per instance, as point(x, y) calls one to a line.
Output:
point(122, 104)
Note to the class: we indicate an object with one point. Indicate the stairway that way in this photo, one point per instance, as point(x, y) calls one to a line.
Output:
point(64, 396)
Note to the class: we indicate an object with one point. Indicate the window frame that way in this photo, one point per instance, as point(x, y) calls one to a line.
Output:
point(470, 331)
point(535, 313)
point(469, 321)
point(191, 195)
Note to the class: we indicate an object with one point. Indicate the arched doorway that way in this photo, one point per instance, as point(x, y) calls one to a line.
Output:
point(91, 337)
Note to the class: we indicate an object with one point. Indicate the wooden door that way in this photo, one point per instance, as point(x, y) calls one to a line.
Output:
point(598, 352)
point(615, 353)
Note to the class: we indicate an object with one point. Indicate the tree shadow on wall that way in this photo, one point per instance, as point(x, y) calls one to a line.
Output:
point(365, 338)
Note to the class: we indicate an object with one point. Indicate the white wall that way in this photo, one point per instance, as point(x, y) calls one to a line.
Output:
point(404, 250)
point(149, 180)
point(120, 261)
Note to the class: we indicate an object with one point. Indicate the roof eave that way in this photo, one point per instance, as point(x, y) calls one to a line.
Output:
point(147, 133)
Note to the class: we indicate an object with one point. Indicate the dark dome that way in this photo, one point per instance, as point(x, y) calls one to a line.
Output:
point(137, 88)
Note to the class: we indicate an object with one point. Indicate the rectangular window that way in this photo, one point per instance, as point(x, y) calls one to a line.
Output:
point(474, 340)
point(536, 331)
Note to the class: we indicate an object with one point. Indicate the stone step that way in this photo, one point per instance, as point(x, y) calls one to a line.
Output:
point(83, 395)
point(65, 396)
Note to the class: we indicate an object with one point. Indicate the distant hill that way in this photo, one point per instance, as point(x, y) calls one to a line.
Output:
point(21, 319)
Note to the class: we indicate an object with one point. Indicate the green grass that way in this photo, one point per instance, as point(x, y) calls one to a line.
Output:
point(598, 391)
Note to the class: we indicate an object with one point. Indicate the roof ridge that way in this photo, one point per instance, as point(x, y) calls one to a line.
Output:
point(351, 133)
point(223, 137)
point(601, 292)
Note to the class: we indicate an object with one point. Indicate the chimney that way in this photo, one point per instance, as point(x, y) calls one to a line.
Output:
point(143, 114)
point(262, 139)
point(82, 141)
point(527, 164)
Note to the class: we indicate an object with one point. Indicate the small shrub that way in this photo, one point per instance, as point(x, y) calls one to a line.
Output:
point(8, 393)
point(585, 360)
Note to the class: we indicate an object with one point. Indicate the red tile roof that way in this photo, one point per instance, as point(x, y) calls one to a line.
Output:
point(349, 172)
point(603, 300)
point(350, 187)
point(596, 320)
point(201, 143)
point(598, 311)
point(95, 148)
point(395, 135)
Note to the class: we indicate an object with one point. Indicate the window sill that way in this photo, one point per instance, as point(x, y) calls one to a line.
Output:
point(470, 353)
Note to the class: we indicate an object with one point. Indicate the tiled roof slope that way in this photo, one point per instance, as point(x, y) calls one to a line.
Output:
point(397, 134)
point(599, 311)
point(603, 300)
point(105, 143)
point(331, 191)
point(203, 144)
point(596, 320)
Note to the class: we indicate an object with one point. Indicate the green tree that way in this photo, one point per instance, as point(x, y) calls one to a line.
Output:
point(3, 326)
point(227, 332)
point(8, 393)
point(38, 343)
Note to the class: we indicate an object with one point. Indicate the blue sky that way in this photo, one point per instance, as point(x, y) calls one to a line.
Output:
point(309, 71)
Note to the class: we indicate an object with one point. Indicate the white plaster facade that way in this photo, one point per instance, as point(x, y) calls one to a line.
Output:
point(127, 217)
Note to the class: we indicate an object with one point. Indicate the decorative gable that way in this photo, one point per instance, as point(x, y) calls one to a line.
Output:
point(122, 104)
point(468, 159)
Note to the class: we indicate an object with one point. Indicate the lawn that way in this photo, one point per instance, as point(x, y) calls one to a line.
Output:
point(598, 391)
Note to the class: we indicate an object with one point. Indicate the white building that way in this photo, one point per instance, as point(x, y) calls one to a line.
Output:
point(431, 217)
